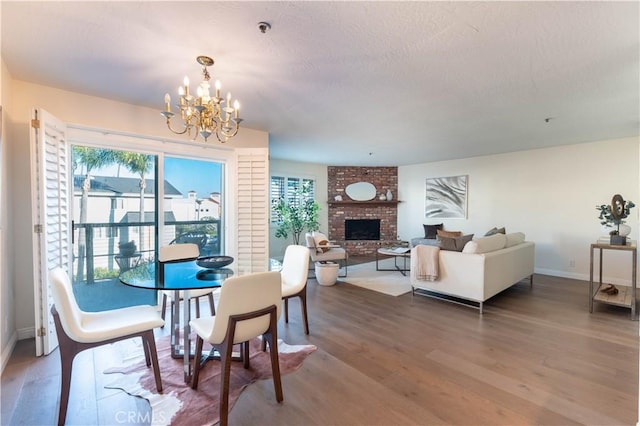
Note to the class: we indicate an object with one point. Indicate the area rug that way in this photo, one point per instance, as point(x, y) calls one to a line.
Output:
point(179, 404)
point(365, 275)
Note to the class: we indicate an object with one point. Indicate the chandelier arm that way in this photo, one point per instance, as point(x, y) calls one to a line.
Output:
point(181, 132)
point(227, 135)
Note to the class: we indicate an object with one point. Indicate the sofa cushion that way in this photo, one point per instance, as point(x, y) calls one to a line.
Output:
point(514, 238)
point(486, 244)
point(454, 243)
point(495, 230)
point(442, 233)
point(431, 231)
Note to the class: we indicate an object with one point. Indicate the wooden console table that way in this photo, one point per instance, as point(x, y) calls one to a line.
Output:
point(626, 296)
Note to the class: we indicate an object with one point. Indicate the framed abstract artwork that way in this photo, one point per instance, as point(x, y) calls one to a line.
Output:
point(446, 197)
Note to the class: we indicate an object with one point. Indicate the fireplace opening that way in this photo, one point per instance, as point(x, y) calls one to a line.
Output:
point(362, 229)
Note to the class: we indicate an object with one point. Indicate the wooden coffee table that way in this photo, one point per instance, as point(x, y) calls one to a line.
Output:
point(395, 252)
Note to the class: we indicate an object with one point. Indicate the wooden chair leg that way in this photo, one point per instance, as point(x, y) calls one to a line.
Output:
point(225, 359)
point(66, 361)
point(286, 310)
point(145, 347)
point(197, 302)
point(303, 306)
point(196, 363)
point(149, 342)
point(272, 337)
point(245, 354)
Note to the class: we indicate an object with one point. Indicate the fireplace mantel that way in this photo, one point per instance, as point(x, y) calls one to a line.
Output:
point(370, 202)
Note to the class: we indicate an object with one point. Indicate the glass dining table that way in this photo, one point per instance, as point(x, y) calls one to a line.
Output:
point(177, 276)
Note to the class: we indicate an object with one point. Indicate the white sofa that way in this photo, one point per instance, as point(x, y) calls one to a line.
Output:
point(485, 267)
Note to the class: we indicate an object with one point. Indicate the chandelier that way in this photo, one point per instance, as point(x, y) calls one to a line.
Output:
point(204, 115)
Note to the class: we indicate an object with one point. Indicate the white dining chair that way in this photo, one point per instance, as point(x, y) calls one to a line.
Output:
point(177, 252)
point(294, 273)
point(78, 330)
point(248, 307)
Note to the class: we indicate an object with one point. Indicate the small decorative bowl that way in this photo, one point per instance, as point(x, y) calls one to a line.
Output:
point(214, 262)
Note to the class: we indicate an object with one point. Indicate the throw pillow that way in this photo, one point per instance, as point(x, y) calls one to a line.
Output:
point(494, 231)
point(442, 233)
point(322, 249)
point(514, 238)
point(454, 243)
point(319, 236)
point(486, 244)
point(431, 231)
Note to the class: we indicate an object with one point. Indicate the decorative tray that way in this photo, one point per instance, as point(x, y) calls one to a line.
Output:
point(214, 262)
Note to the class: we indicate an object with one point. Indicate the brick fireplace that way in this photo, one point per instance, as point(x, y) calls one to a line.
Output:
point(383, 178)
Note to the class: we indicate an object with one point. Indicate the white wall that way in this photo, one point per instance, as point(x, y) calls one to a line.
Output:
point(8, 335)
point(318, 172)
point(77, 109)
point(549, 194)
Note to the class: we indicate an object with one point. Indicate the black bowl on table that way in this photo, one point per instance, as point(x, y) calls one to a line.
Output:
point(214, 262)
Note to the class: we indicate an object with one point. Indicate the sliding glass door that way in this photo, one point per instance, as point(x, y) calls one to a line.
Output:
point(193, 204)
point(117, 217)
point(114, 224)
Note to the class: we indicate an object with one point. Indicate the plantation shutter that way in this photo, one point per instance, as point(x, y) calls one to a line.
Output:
point(252, 215)
point(51, 220)
point(277, 192)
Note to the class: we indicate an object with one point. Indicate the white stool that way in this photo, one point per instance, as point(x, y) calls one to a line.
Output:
point(327, 273)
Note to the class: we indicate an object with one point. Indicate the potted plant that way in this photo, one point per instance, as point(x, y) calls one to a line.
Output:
point(127, 248)
point(613, 215)
point(297, 215)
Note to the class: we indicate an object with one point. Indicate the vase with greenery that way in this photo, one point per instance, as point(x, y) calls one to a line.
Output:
point(296, 215)
point(613, 215)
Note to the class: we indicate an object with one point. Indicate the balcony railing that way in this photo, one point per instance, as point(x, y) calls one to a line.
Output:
point(96, 253)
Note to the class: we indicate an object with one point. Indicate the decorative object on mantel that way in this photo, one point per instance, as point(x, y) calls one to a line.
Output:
point(361, 191)
point(614, 215)
point(298, 215)
point(203, 114)
point(389, 195)
point(338, 198)
point(382, 197)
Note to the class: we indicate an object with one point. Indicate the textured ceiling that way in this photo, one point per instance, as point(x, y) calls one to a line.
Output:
point(356, 83)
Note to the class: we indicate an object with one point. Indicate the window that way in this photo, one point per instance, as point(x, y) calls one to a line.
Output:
point(287, 188)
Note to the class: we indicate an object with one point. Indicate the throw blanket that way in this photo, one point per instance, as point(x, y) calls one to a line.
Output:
point(424, 260)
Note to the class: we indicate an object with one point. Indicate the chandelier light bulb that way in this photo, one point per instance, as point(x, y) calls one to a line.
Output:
point(167, 101)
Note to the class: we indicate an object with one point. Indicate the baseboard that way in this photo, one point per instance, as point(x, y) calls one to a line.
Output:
point(8, 350)
point(26, 333)
point(581, 277)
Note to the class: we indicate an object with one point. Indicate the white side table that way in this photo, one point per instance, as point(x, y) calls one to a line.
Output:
point(327, 273)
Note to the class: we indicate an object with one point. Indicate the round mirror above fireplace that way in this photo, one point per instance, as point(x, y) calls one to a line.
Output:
point(361, 191)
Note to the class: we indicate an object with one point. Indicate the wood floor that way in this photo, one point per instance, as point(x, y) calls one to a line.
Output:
point(536, 356)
